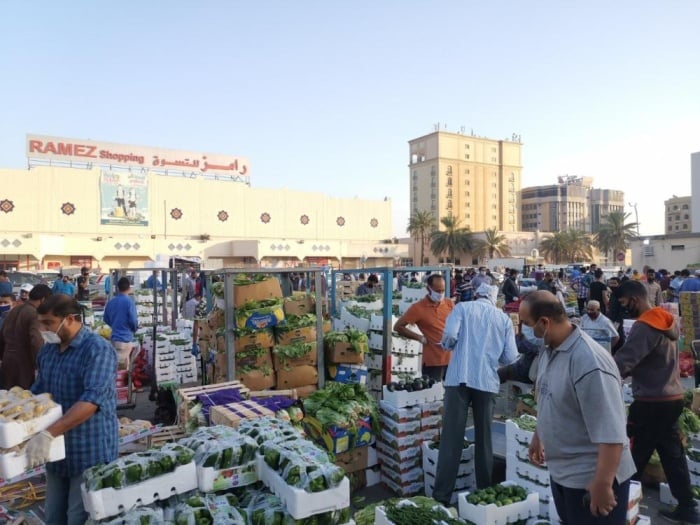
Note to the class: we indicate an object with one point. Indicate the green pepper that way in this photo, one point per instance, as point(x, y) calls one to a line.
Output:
point(212, 460)
point(133, 473)
point(293, 476)
point(336, 477)
point(272, 458)
point(317, 484)
point(226, 458)
point(117, 478)
point(154, 469)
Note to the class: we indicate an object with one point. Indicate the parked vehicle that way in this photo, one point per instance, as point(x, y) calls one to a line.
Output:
point(527, 285)
point(19, 278)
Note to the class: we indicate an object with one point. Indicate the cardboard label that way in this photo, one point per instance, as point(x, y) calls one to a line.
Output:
point(257, 320)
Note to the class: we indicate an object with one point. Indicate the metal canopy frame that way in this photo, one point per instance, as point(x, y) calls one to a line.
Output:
point(387, 274)
point(229, 274)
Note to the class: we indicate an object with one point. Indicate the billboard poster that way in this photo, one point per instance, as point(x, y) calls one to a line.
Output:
point(123, 198)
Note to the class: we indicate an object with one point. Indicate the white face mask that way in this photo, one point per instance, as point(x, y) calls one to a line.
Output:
point(529, 335)
point(434, 296)
point(52, 338)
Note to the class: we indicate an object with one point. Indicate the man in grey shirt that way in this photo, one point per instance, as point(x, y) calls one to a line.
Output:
point(580, 418)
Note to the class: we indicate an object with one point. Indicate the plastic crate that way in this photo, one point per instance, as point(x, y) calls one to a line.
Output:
point(493, 515)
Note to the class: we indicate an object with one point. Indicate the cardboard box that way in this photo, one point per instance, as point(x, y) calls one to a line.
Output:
point(307, 334)
point(233, 413)
point(257, 380)
point(284, 363)
point(326, 326)
point(305, 391)
point(334, 439)
point(299, 305)
point(258, 320)
point(254, 358)
point(344, 353)
point(268, 289)
point(353, 460)
point(187, 397)
point(297, 376)
point(348, 373)
point(257, 339)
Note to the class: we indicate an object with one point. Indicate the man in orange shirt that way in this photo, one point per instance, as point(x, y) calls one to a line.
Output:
point(429, 314)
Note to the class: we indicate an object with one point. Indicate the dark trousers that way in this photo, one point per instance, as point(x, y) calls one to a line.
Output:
point(435, 372)
point(458, 399)
point(573, 510)
point(581, 305)
point(654, 426)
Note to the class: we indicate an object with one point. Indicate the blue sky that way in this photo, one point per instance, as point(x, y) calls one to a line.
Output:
point(323, 95)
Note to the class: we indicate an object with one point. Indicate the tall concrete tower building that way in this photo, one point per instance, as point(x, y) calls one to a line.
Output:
point(475, 179)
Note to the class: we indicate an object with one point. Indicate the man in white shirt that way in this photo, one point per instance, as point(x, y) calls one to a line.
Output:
point(599, 327)
point(188, 312)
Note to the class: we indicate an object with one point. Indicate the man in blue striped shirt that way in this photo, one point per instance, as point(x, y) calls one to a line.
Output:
point(481, 338)
point(78, 368)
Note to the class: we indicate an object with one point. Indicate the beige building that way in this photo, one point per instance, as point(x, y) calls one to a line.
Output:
point(571, 204)
point(672, 252)
point(475, 179)
point(117, 215)
point(679, 218)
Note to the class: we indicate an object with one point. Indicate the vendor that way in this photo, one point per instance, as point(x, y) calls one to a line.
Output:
point(77, 367)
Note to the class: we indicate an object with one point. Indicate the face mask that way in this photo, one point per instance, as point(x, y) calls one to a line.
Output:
point(529, 335)
point(544, 334)
point(4, 308)
point(52, 338)
point(482, 272)
point(434, 296)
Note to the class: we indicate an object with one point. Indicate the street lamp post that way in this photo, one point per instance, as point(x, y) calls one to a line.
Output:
point(636, 215)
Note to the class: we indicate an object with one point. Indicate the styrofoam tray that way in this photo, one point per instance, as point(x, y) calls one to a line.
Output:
point(409, 347)
point(301, 504)
point(373, 360)
point(532, 473)
point(376, 322)
point(399, 414)
point(431, 454)
point(413, 294)
point(430, 434)
point(462, 483)
point(109, 502)
point(405, 363)
point(212, 480)
point(547, 507)
point(514, 434)
point(380, 513)
point(15, 463)
point(359, 323)
point(493, 515)
point(376, 340)
point(401, 399)
point(400, 429)
point(389, 463)
point(15, 432)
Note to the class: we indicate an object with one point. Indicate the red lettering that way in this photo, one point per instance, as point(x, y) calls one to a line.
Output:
point(50, 148)
point(81, 150)
point(35, 145)
point(65, 149)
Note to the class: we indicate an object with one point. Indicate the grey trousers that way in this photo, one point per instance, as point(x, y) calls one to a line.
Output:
point(458, 399)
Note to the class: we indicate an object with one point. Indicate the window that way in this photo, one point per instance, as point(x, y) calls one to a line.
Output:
point(467, 182)
point(677, 247)
point(676, 227)
point(449, 181)
point(685, 206)
point(675, 207)
point(686, 217)
point(468, 216)
point(678, 217)
point(466, 156)
point(685, 226)
point(493, 150)
point(466, 193)
point(494, 206)
point(494, 185)
point(466, 146)
point(494, 217)
point(494, 159)
point(449, 193)
point(466, 171)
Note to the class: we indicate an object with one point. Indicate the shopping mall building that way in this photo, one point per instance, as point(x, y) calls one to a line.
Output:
point(104, 205)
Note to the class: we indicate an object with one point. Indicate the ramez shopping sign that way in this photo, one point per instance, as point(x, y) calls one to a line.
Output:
point(107, 153)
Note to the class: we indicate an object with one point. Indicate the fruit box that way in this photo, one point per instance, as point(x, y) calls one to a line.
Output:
point(336, 439)
point(348, 373)
point(493, 515)
point(430, 458)
point(297, 376)
point(211, 480)
point(345, 353)
point(257, 320)
point(299, 305)
point(305, 334)
point(299, 503)
point(259, 338)
point(15, 463)
point(232, 414)
point(399, 429)
point(400, 414)
point(353, 460)
point(514, 434)
point(268, 289)
point(108, 502)
point(15, 432)
point(257, 379)
point(390, 463)
point(284, 362)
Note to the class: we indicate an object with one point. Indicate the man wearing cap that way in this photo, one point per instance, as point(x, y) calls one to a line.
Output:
point(429, 316)
point(480, 337)
point(24, 292)
point(20, 341)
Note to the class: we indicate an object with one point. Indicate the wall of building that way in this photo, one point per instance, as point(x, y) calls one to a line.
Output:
point(672, 252)
point(678, 217)
point(50, 213)
point(695, 190)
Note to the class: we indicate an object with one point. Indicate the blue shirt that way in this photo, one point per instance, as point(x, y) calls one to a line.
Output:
point(691, 284)
point(65, 288)
point(84, 371)
point(120, 315)
point(481, 338)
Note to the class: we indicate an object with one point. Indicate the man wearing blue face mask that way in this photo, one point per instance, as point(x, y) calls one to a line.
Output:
point(429, 316)
point(529, 347)
point(7, 300)
point(77, 367)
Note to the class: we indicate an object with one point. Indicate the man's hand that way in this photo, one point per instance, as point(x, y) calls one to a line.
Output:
point(195, 349)
point(602, 498)
point(38, 447)
point(535, 451)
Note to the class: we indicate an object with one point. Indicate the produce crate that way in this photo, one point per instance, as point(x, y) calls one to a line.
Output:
point(15, 463)
point(299, 305)
point(410, 489)
point(430, 459)
point(268, 288)
point(403, 465)
point(354, 459)
point(166, 435)
point(398, 455)
point(361, 323)
point(232, 414)
point(259, 338)
point(376, 322)
point(517, 437)
point(301, 504)
point(493, 515)
point(14, 432)
point(462, 483)
point(344, 353)
point(403, 478)
point(376, 340)
point(348, 373)
point(305, 334)
point(109, 502)
point(309, 358)
point(399, 414)
point(258, 319)
point(187, 397)
point(403, 398)
point(400, 429)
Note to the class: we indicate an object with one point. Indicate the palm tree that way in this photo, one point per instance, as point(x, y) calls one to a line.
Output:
point(493, 244)
point(568, 245)
point(452, 239)
point(420, 225)
point(614, 235)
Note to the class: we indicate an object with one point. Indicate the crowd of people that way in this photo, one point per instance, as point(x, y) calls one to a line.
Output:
point(577, 363)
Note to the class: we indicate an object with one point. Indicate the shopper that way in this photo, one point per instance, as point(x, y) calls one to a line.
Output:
point(62, 285)
point(580, 419)
point(481, 278)
point(510, 287)
point(77, 367)
point(481, 337)
point(24, 292)
point(598, 326)
point(83, 281)
point(650, 356)
point(429, 315)
point(653, 288)
point(120, 315)
point(7, 300)
point(20, 341)
point(598, 291)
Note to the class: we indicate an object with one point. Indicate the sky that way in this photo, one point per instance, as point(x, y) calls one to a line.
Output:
point(324, 95)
